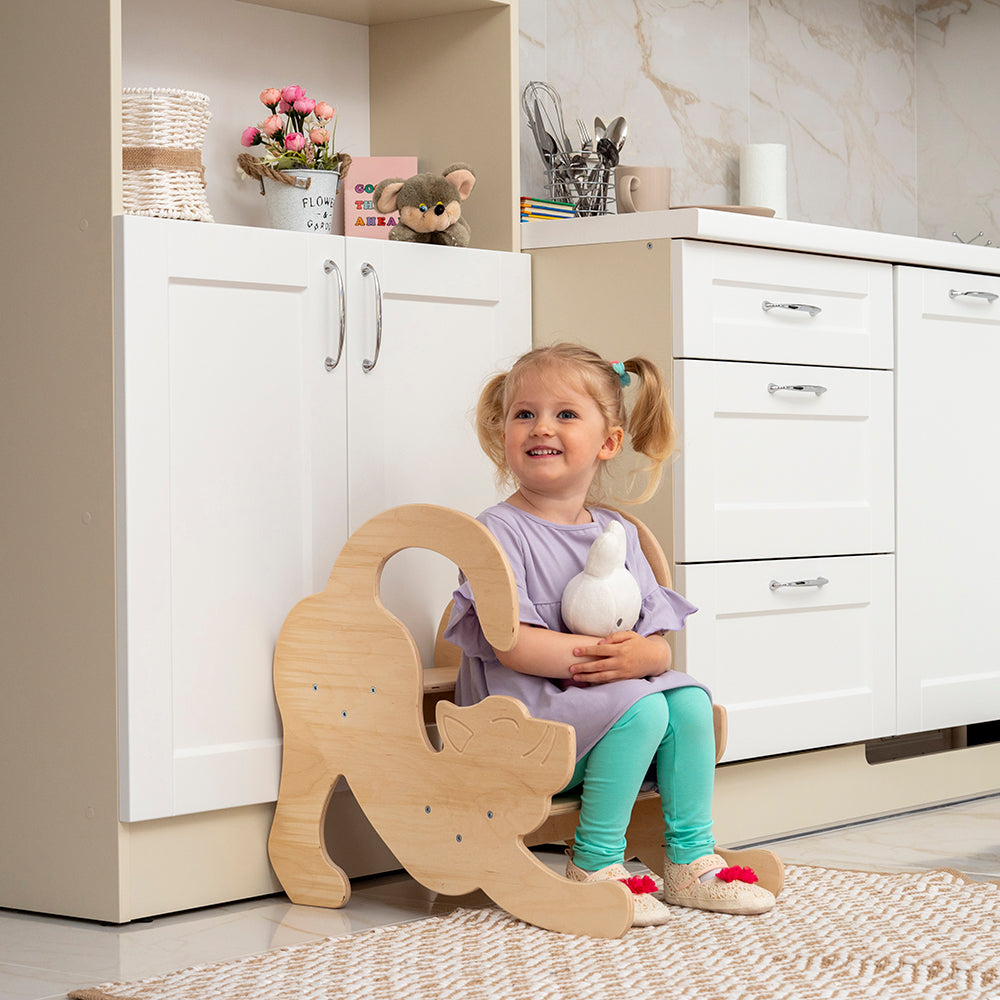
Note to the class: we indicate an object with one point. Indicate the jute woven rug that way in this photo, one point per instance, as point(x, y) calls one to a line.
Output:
point(834, 934)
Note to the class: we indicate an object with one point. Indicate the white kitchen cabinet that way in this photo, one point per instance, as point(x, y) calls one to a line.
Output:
point(786, 417)
point(782, 461)
point(785, 464)
point(63, 628)
point(798, 650)
point(948, 545)
point(245, 458)
point(804, 668)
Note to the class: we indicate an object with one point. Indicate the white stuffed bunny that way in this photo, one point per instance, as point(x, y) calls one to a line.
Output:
point(604, 598)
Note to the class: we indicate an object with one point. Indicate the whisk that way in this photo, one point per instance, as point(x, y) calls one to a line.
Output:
point(540, 99)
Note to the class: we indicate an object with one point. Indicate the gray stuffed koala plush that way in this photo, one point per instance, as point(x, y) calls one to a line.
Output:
point(429, 206)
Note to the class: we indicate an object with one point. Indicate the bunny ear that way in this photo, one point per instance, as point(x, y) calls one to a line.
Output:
point(461, 175)
point(385, 197)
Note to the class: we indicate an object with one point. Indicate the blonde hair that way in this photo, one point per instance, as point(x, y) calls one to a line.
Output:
point(648, 422)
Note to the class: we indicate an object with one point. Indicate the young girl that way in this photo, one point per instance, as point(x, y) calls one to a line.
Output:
point(551, 425)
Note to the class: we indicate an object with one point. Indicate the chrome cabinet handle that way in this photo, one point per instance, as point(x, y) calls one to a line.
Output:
point(367, 269)
point(330, 267)
point(773, 387)
point(795, 306)
point(820, 581)
point(989, 296)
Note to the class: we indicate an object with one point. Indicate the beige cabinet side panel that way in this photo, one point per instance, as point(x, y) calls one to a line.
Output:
point(59, 815)
point(459, 105)
point(615, 299)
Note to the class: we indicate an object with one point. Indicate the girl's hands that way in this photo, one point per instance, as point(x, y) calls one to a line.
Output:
point(585, 659)
point(621, 656)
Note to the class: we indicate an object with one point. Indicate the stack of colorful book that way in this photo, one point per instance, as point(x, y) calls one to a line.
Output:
point(539, 208)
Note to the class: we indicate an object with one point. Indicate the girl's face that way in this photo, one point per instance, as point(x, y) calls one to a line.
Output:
point(555, 436)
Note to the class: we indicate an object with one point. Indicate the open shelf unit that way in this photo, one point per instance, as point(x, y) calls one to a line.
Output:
point(65, 850)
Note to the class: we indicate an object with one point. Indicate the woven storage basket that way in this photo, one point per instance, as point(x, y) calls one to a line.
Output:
point(162, 135)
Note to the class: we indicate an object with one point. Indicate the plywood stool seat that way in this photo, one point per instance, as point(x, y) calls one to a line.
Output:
point(350, 688)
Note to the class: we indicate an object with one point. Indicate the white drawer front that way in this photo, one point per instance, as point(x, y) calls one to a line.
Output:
point(720, 292)
point(791, 472)
point(797, 667)
point(952, 296)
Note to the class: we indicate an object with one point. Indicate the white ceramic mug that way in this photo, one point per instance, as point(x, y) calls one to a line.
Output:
point(642, 189)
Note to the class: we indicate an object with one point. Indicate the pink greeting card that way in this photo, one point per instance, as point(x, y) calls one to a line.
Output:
point(360, 215)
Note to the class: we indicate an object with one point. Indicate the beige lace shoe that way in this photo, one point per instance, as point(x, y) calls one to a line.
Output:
point(709, 884)
point(647, 910)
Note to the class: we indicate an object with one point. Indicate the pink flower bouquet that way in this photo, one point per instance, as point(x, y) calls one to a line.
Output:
point(297, 134)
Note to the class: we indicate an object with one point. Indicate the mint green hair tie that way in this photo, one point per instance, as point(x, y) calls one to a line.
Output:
point(623, 376)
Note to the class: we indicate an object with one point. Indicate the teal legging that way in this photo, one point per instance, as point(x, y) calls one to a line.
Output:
point(676, 728)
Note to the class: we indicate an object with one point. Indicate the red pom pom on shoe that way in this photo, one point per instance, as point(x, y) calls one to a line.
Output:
point(737, 874)
point(639, 884)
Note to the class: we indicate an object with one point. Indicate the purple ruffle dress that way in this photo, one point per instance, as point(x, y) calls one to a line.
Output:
point(545, 557)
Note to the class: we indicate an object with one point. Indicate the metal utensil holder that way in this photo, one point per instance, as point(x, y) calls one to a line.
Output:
point(586, 179)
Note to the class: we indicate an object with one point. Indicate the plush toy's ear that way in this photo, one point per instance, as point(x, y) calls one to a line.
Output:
point(461, 175)
point(386, 193)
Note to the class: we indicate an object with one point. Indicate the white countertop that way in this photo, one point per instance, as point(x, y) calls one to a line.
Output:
point(755, 230)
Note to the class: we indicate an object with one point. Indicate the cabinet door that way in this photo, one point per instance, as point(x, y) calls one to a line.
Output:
point(948, 545)
point(449, 318)
point(800, 651)
point(230, 453)
point(781, 461)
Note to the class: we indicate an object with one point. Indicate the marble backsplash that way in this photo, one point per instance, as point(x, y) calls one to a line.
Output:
point(886, 106)
point(958, 142)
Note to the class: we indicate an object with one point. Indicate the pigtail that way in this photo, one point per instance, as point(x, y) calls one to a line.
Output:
point(490, 414)
point(651, 428)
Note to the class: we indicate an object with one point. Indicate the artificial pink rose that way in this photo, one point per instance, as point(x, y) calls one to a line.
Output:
point(291, 94)
point(250, 137)
point(270, 97)
point(323, 111)
point(304, 105)
point(272, 125)
point(295, 142)
point(284, 107)
point(319, 136)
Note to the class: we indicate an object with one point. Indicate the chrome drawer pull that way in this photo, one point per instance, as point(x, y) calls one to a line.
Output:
point(330, 267)
point(820, 581)
point(989, 296)
point(367, 269)
point(812, 310)
point(773, 387)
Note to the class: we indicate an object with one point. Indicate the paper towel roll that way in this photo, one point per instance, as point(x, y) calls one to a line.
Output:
point(763, 179)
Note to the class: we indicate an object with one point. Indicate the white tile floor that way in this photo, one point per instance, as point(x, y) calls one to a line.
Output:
point(44, 957)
